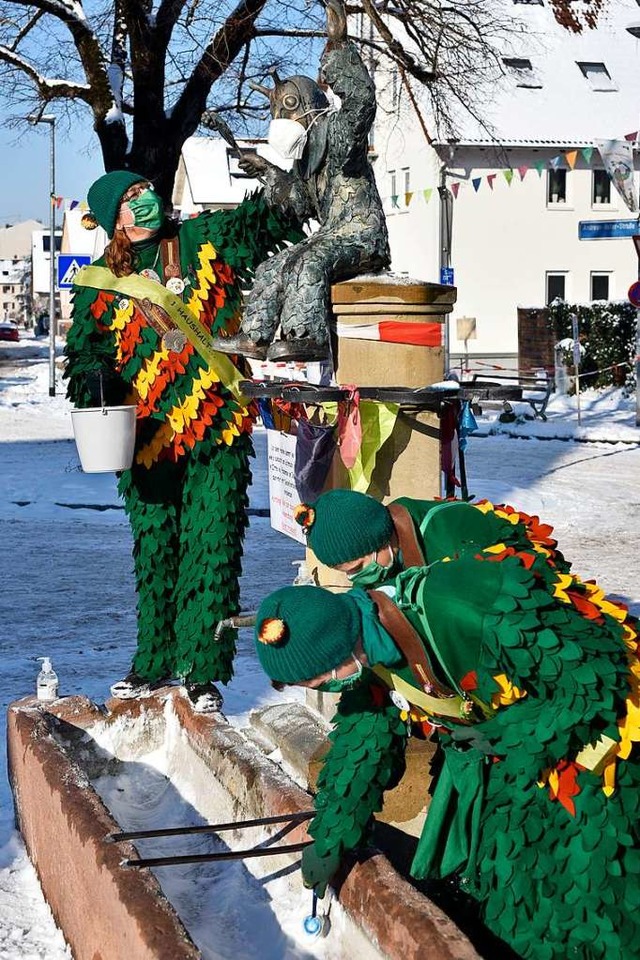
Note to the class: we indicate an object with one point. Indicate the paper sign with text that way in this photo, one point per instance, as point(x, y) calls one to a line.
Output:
point(283, 496)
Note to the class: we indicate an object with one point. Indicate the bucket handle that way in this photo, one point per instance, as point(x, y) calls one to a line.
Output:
point(102, 403)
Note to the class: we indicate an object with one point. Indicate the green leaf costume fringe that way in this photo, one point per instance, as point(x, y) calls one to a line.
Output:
point(544, 839)
point(186, 495)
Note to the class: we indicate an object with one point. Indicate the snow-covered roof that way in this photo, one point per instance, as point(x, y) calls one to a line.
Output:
point(75, 239)
point(581, 86)
point(212, 172)
point(15, 240)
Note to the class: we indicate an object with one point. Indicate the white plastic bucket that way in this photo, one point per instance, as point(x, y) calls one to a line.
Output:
point(105, 437)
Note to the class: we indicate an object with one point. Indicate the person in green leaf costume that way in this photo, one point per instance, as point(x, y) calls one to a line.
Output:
point(144, 315)
point(533, 680)
point(372, 543)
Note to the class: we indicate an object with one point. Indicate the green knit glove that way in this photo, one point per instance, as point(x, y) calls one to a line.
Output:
point(317, 871)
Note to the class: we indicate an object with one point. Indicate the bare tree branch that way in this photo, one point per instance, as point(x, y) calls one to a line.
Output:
point(26, 29)
point(48, 87)
point(238, 30)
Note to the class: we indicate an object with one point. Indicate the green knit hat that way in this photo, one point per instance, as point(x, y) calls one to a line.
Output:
point(105, 194)
point(343, 525)
point(302, 632)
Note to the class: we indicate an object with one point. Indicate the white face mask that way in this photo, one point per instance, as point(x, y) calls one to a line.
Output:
point(288, 138)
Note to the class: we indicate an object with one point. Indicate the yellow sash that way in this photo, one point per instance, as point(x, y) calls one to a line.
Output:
point(101, 278)
point(449, 707)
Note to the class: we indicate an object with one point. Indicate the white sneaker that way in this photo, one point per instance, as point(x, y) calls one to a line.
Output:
point(204, 697)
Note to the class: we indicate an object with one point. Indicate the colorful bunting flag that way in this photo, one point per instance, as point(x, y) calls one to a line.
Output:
point(394, 201)
point(427, 194)
point(587, 153)
point(490, 178)
point(571, 158)
point(556, 162)
point(541, 167)
point(476, 183)
point(407, 197)
point(455, 187)
point(631, 136)
point(508, 175)
point(522, 171)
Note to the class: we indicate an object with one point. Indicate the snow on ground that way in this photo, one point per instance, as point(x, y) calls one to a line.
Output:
point(67, 572)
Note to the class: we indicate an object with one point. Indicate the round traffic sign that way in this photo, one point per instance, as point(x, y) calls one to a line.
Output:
point(634, 294)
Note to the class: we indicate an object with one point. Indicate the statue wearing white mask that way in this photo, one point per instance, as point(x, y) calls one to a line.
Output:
point(326, 134)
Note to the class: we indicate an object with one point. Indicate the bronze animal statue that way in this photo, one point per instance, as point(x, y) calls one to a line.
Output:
point(332, 182)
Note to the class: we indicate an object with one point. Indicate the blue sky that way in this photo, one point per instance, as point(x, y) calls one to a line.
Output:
point(24, 162)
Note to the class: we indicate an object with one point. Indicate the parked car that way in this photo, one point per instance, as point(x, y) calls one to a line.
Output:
point(9, 331)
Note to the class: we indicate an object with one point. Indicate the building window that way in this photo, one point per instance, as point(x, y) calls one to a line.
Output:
point(46, 244)
point(556, 186)
point(406, 183)
point(599, 286)
point(393, 188)
point(556, 286)
point(597, 76)
point(522, 72)
point(601, 187)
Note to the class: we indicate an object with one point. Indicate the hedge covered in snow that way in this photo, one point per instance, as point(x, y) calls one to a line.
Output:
point(607, 333)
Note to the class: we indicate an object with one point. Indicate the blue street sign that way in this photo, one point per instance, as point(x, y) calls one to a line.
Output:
point(446, 276)
point(68, 266)
point(607, 229)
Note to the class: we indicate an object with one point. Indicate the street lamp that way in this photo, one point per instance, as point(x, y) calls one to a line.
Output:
point(51, 120)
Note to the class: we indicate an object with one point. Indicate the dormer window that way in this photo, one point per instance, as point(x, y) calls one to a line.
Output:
point(597, 76)
point(522, 72)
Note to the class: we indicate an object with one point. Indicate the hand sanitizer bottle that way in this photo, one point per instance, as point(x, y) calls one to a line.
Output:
point(304, 577)
point(47, 681)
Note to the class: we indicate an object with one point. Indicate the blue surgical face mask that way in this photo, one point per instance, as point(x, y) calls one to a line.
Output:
point(147, 209)
point(374, 573)
point(339, 686)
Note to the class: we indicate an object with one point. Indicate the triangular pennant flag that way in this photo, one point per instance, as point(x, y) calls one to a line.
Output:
point(490, 178)
point(522, 171)
point(571, 158)
point(394, 201)
point(540, 167)
point(617, 157)
point(631, 136)
point(508, 175)
point(587, 153)
point(59, 202)
point(73, 204)
point(556, 162)
point(427, 194)
point(84, 205)
point(455, 187)
point(476, 183)
point(407, 197)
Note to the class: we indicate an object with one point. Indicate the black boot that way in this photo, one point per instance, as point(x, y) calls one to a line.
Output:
point(242, 345)
point(134, 686)
point(305, 350)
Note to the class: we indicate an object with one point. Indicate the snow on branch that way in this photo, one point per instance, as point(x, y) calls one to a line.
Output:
point(48, 87)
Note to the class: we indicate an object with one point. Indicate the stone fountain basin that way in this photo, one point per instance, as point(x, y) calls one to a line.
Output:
point(80, 772)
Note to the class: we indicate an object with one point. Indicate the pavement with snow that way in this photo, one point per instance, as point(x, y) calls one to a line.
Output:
point(68, 585)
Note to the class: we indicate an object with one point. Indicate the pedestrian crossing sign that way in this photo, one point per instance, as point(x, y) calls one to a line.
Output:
point(68, 266)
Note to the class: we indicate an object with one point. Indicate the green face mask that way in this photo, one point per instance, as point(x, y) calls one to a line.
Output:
point(374, 573)
point(339, 686)
point(147, 210)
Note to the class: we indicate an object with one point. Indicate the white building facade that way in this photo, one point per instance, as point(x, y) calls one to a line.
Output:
point(519, 184)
